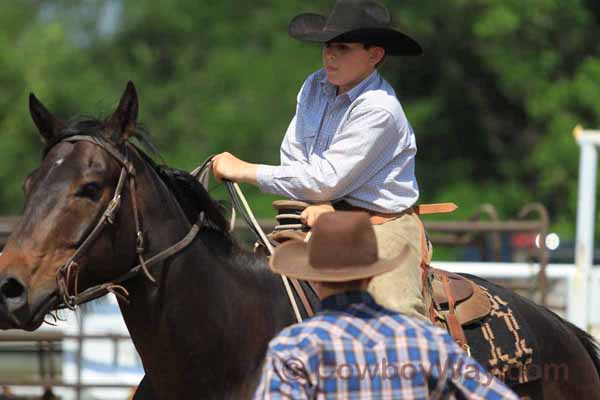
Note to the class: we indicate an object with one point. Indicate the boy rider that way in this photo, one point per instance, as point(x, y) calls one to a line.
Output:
point(350, 145)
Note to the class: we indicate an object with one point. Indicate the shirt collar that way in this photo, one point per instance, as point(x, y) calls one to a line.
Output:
point(361, 87)
point(352, 93)
point(341, 301)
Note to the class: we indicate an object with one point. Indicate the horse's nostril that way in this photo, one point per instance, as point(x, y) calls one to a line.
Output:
point(12, 288)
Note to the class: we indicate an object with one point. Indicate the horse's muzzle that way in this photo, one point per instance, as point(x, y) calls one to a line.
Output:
point(14, 307)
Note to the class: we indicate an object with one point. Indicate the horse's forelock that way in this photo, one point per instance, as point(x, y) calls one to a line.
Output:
point(85, 126)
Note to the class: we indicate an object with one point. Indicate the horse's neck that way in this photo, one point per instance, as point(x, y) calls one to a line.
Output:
point(206, 326)
point(209, 317)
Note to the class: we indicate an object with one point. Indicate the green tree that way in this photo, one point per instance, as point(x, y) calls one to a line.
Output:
point(493, 100)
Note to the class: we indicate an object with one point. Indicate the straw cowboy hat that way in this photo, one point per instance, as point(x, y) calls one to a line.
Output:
point(342, 248)
point(363, 21)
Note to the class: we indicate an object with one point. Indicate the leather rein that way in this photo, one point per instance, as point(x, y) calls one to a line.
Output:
point(126, 181)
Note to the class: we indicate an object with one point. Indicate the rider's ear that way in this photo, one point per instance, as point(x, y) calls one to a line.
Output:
point(122, 122)
point(47, 124)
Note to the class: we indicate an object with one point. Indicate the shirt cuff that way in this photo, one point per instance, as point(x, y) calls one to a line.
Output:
point(264, 177)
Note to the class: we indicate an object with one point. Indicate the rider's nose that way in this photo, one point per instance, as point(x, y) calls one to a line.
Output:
point(13, 293)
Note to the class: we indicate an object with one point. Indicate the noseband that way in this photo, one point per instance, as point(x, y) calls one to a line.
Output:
point(126, 178)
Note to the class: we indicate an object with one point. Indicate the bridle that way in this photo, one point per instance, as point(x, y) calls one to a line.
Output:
point(126, 181)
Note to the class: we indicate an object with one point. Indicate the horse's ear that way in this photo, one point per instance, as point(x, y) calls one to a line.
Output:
point(122, 122)
point(47, 124)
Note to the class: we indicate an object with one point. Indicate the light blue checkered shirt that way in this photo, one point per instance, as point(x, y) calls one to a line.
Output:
point(356, 349)
point(358, 147)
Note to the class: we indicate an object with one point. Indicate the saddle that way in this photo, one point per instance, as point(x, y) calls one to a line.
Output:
point(456, 301)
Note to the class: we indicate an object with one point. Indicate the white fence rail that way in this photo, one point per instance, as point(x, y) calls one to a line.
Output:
point(586, 211)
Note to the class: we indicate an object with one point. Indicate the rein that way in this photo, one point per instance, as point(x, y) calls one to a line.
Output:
point(126, 179)
point(240, 204)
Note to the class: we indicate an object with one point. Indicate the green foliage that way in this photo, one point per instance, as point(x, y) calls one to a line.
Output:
point(493, 101)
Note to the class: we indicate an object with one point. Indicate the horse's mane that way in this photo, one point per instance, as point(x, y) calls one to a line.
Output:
point(190, 194)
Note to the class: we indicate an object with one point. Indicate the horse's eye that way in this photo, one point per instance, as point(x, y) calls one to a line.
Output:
point(90, 191)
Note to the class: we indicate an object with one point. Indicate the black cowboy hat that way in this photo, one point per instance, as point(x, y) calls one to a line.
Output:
point(362, 21)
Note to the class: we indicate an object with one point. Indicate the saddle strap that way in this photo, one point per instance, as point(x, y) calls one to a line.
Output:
point(435, 208)
point(454, 325)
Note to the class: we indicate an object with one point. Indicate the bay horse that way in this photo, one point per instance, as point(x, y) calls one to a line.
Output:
point(100, 216)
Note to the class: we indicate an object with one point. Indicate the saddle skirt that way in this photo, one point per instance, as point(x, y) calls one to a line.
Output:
point(471, 302)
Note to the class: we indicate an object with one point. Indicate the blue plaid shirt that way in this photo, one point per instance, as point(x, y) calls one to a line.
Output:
point(355, 349)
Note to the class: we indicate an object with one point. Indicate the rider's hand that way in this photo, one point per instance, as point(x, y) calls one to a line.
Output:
point(226, 166)
point(311, 213)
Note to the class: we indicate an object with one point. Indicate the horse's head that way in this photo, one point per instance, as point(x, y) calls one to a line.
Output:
point(65, 198)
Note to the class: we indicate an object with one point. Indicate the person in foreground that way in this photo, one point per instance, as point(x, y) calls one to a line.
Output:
point(350, 145)
point(353, 348)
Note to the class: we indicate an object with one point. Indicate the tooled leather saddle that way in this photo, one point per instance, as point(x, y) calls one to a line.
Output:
point(456, 300)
